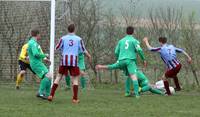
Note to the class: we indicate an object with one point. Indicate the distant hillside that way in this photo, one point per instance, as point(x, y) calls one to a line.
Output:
point(144, 5)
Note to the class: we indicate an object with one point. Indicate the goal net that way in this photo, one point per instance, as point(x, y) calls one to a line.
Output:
point(17, 19)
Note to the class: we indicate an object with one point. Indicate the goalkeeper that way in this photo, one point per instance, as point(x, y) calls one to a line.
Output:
point(23, 65)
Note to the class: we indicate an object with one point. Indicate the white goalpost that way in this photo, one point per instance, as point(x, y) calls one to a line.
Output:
point(52, 39)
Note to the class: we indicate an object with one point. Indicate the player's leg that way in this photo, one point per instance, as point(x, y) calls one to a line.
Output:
point(21, 74)
point(127, 82)
point(128, 87)
point(45, 85)
point(42, 87)
point(48, 83)
point(175, 78)
point(144, 83)
point(75, 72)
point(176, 82)
point(168, 74)
point(59, 76)
point(68, 82)
point(110, 67)
point(83, 82)
point(75, 89)
point(156, 91)
point(41, 70)
point(20, 78)
point(81, 65)
point(82, 78)
point(132, 70)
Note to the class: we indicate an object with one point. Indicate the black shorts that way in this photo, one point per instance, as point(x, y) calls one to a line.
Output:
point(24, 66)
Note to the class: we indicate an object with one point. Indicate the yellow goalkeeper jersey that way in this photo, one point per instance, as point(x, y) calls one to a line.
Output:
point(24, 53)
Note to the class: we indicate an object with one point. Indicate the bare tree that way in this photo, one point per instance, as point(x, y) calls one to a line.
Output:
point(189, 31)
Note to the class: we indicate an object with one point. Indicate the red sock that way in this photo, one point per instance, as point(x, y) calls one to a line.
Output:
point(75, 91)
point(53, 89)
point(166, 84)
point(176, 82)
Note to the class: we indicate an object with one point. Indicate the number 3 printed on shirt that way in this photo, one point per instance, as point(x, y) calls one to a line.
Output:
point(71, 42)
point(127, 44)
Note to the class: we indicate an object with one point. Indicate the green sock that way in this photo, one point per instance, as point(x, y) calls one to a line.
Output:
point(48, 87)
point(156, 91)
point(128, 85)
point(67, 80)
point(83, 82)
point(146, 88)
point(42, 86)
point(136, 87)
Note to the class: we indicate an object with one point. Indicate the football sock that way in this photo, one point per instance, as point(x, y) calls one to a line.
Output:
point(53, 89)
point(176, 82)
point(156, 91)
point(83, 82)
point(42, 86)
point(166, 84)
point(48, 87)
point(67, 80)
point(75, 92)
point(19, 79)
point(128, 85)
point(136, 87)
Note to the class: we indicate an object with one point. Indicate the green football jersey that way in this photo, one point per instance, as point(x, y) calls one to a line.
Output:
point(127, 48)
point(35, 52)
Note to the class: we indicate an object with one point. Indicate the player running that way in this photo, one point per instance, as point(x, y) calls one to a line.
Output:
point(168, 55)
point(125, 51)
point(36, 57)
point(23, 65)
point(81, 65)
point(70, 46)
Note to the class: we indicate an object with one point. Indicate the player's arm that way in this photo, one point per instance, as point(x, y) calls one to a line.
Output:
point(89, 56)
point(46, 59)
point(153, 49)
point(141, 53)
point(82, 47)
point(36, 52)
point(59, 45)
point(179, 50)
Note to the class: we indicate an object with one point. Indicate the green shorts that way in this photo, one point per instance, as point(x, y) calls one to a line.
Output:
point(142, 79)
point(81, 62)
point(128, 64)
point(40, 69)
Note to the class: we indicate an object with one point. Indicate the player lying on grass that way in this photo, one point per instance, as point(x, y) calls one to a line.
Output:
point(168, 55)
point(23, 65)
point(81, 65)
point(70, 46)
point(125, 51)
point(36, 57)
point(143, 83)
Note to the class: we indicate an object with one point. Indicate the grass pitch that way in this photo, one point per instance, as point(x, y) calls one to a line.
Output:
point(101, 102)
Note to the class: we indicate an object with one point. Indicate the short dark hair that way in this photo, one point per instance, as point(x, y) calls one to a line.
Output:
point(34, 32)
point(162, 40)
point(71, 28)
point(129, 30)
